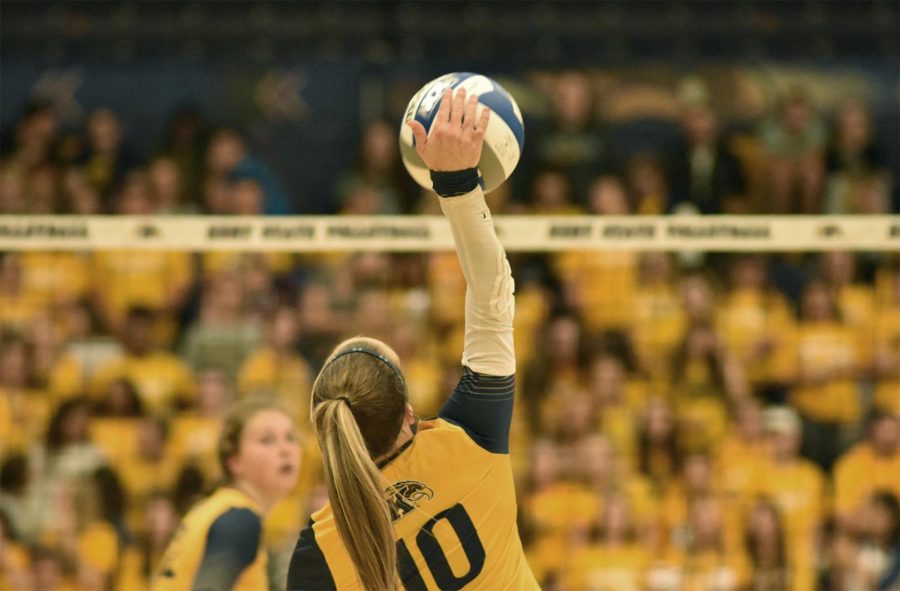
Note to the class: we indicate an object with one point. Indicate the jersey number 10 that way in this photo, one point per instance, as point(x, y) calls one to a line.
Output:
point(434, 555)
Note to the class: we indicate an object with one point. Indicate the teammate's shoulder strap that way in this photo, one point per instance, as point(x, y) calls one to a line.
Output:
point(483, 405)
point(308, 570)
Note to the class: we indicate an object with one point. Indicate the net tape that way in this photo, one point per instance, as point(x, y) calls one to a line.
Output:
point(429, 233)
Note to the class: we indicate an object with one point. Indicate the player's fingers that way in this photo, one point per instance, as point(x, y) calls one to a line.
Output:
point(469, 118)
point(459, 107)
point(418, 133)
point(443, 113)
point(483, 121)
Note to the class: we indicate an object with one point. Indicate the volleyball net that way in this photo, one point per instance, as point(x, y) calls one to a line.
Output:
point(427, 233)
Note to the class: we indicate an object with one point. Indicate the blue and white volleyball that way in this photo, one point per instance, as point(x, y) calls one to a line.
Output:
point(503, 139)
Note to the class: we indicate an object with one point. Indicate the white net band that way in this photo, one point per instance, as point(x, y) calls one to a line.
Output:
point(430, 233)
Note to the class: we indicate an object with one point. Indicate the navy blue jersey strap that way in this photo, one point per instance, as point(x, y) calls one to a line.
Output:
point(232, 544)
point(891, 575)
point(483, 405)
point(308, 570)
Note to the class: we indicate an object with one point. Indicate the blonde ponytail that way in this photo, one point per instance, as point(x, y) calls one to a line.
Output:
point(355, 489)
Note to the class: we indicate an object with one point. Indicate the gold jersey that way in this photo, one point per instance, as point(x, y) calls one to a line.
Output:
point(217, 547)
point(452, 497)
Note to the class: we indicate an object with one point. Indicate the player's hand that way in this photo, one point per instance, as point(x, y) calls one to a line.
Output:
point(456, 134)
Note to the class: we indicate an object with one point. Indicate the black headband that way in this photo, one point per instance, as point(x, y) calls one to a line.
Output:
point(361, 350)
point(374, 354)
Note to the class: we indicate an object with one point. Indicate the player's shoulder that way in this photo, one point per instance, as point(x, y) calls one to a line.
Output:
point(437, 426)
point(224, 501)
point(308, 568)
point(228, 496)
point(237, 520)
point(446, 448)
point(443, 431)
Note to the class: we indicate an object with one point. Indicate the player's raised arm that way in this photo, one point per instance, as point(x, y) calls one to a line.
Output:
point(451, 152)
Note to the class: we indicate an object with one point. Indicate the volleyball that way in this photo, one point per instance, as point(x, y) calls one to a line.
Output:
point(503, 139)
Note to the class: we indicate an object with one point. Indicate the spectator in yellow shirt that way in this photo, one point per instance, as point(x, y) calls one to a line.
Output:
point(569, 416)
point(615, 559)
point(446, 289)
point(103, 532)
point(619, 404)
point(795, 485)
point(115, 421)
point(24, 408)
point(547, 510)
point(704, 379)
point(45, 341)
point(742, 454)
point(55, 278)
point(120, 400)
point(601, 285)
point(766, 548)
point(195, 433)
point(755, 322)
point(658, 315)
point(277, 368)
point(855, 300)
point(15, 571)
point(124, 279)
point(697, 482)
point(151, 466)
point(163, 381)
point(560, 363)
point(870, 466)
point(705, 560)
point(604, 473)
point(659, 450)
point(826, 391)
point(887, 344)
point(86, 348)
point(697, 301)
point(17, 306)
point(141, 557)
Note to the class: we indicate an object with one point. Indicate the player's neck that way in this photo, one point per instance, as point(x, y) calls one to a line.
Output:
point(405, 435)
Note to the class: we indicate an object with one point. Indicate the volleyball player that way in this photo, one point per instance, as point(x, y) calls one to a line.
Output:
point(219, 544)
point(424, 504)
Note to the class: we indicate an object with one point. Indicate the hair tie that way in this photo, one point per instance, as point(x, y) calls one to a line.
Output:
point(376, 355)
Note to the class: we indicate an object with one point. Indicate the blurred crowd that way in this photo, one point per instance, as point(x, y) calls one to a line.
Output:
point(721, 422)
point(729, 424)
point(667, 148)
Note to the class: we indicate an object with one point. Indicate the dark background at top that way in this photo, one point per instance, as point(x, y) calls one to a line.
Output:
point(146, 59)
